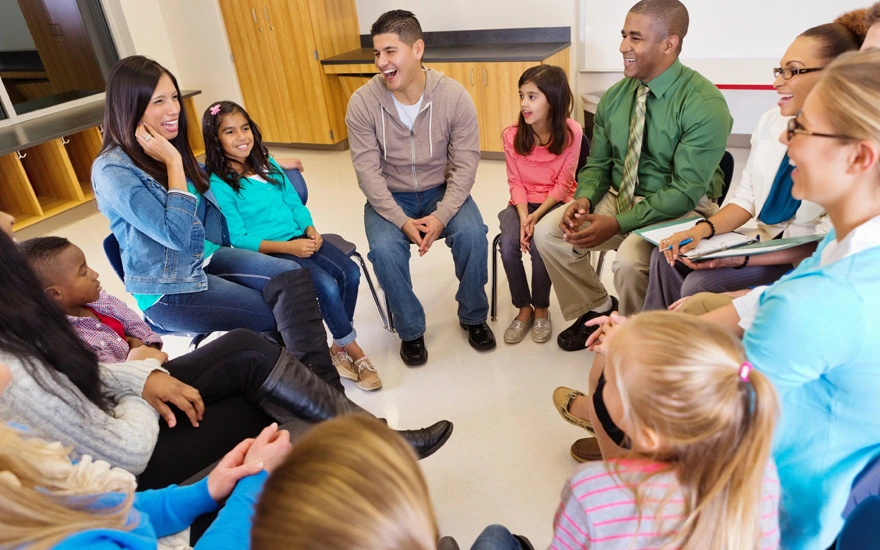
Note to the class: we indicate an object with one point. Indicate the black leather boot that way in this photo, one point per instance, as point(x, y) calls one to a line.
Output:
point(291, 296)
point(292, 391)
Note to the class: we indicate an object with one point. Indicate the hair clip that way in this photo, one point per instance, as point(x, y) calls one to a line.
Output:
point(215, 109)
point(744, 371)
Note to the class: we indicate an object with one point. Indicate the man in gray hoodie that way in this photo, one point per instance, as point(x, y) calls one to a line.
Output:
point(415, 146)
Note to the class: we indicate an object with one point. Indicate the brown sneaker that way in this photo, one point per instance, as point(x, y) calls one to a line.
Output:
point(562, 398)
point(586, 450)
point(343, 365)
point(368, 378)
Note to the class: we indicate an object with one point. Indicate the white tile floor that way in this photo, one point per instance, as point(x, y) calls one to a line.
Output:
point(508, 457)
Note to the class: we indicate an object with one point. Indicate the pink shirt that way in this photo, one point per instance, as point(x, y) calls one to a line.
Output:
point(534, 177)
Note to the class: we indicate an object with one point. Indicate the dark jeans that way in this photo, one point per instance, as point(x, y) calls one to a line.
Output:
point(336, 278)
point(511, 258)
point(390, 254)
point(234, 298)
point(226, 372)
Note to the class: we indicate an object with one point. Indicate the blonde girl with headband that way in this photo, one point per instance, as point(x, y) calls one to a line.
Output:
point(698, 423)
point(349, 484)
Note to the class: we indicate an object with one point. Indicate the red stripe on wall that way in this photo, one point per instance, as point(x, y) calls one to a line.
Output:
point(745, 87)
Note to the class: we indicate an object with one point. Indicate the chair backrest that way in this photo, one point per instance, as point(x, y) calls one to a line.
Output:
point(114, 255)
point(727, 168)
point(299, 184)
point(584, 154)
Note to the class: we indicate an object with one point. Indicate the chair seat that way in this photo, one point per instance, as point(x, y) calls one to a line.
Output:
point(347, 247)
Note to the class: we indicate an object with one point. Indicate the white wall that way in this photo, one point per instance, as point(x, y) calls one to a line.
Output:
point(14, 33)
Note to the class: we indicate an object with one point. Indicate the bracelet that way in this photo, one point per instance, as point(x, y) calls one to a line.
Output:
point(744, 264)
point(711, 226)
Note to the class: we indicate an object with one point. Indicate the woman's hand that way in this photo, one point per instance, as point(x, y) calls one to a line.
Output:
point(695, 233)
point(162, 388)
point(301, 248)
point(313, 234)
point(270, 448)
point(231, 468)
point(290, 164)
point(156, 146)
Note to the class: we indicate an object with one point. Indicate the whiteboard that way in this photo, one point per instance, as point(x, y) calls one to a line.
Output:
point(748, 32)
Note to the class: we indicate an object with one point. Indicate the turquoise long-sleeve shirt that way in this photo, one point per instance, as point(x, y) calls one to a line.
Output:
point(162, 512)
point(815, 336)
point(261, 211)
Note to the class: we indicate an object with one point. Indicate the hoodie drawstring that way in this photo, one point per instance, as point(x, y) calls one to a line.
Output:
point(384, 146)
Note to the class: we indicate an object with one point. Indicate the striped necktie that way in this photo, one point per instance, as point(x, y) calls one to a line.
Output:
point(634, 149)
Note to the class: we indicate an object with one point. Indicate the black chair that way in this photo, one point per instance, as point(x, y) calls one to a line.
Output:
point(114, 256)
point(348, 248)
point(496, 242)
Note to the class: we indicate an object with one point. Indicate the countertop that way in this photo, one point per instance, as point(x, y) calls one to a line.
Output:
point(462, 53)
point(46, 128)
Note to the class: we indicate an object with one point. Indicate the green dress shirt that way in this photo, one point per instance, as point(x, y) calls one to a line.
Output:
point(686, 130)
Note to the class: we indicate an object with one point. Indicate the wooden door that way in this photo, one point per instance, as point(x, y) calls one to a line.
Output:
point(254, 65)
point(500, 100)
point(300, 76)
point(335, 31)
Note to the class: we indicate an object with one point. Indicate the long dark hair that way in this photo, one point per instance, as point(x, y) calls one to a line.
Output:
point(36, 331)
point(553, 83)
point(130, 86)
point(216, 161)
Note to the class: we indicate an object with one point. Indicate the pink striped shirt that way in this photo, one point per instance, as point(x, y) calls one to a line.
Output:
point(598, 509)
point(534, 177)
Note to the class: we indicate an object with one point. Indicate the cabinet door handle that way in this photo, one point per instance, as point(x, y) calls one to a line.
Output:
point(485, 77)
point(472, 78)
point(266, 13)
point(254, 13)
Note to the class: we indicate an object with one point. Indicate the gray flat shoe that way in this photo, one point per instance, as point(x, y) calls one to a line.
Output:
point(517, 330)
point(543, 330)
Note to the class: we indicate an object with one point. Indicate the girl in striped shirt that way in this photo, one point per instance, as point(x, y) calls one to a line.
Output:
point(698, 422)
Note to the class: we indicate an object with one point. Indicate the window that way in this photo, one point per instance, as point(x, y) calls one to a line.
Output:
point(52, 52)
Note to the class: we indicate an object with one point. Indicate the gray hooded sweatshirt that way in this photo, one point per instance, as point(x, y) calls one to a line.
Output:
point(443, 146)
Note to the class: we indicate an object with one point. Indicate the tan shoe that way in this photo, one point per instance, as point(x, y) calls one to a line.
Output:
point(562, 398)
point(586, 450)
point(343, 365)
point(368, 378)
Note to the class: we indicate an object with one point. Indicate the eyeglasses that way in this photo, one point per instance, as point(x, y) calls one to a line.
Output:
point(794, 127)
point(787, 74)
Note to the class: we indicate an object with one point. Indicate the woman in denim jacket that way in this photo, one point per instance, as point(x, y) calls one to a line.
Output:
point(174, 240)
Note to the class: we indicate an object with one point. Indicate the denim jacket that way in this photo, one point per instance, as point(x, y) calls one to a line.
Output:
point(160, 234)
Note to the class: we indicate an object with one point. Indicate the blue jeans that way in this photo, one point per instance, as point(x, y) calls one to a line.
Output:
point(390, 254)
point(234, 298)
point(496, 537)
point(336, 278)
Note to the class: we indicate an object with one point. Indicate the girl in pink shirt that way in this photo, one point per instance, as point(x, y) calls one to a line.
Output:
point(541, 151)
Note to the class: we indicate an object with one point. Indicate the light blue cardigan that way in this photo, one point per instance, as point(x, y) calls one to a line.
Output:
point(816, 336)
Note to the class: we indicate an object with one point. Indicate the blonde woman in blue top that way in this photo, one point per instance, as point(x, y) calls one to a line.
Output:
point(265, 214)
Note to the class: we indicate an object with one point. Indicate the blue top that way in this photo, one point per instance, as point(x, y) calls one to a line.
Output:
point(261, 211)
point(163, 512)
point(815, 338)
point(160, 236)
point(780, 206)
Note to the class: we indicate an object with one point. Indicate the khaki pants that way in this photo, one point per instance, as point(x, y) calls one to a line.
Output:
point(578, 286)
point(704, 302)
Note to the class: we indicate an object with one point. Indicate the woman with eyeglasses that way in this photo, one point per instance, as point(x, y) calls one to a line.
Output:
point(764, 191)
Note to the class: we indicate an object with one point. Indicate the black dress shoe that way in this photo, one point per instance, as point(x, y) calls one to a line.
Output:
point(574, 338)
point(480, 336)
point(426, 441)
point(414, 352)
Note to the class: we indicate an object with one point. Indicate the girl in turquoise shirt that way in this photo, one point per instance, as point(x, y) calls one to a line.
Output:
point(265, 214)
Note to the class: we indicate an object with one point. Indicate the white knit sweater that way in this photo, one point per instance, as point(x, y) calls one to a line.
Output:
point(124, 439)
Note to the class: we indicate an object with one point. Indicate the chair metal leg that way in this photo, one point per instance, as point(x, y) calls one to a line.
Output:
point(600, 264)
point(372, 287)
point(390, 315)
point(496, 242)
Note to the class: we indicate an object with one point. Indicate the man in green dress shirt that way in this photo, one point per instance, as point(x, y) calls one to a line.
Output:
point(658, 138)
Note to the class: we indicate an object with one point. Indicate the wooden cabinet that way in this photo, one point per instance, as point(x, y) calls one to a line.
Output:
point(277, 46)
point(493, 87)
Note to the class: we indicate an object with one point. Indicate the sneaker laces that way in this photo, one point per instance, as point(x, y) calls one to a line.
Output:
point(364, 363)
